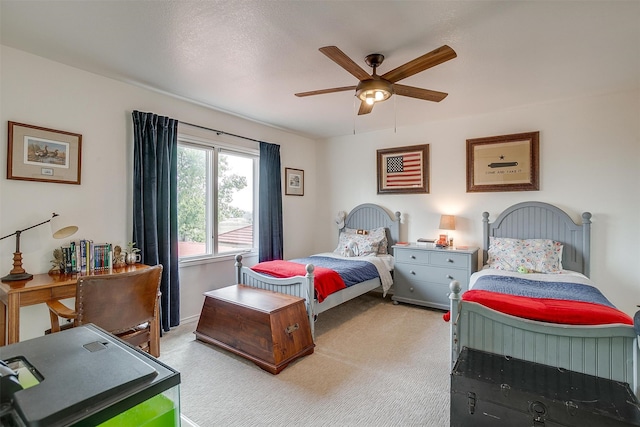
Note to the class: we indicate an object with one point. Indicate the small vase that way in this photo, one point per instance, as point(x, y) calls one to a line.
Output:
point(132, 258)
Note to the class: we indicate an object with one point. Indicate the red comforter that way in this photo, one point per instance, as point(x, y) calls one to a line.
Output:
point(550, 300)
point(326, 281)
point(548, 309)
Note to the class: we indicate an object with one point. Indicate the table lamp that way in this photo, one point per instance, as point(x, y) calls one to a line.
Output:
point(447, 222)
point(59, 230)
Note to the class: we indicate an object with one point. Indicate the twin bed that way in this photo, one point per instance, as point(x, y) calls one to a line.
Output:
point(602, 346)
point(590, 342)
point(363, 218)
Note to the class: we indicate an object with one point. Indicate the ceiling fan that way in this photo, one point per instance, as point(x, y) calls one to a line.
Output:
point(374, 88)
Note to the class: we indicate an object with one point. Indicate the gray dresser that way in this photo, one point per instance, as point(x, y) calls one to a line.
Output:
point(422, 274)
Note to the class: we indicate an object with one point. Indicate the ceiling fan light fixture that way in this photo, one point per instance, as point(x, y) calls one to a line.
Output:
point(370, 98)
point(371, 91)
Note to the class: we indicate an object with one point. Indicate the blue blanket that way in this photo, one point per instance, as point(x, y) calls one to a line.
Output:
point(352, 272)
point(520, 286)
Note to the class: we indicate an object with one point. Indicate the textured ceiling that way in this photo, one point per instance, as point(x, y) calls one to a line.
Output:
point(249, 57)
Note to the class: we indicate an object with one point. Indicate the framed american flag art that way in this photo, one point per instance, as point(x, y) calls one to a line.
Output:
point(403, 169)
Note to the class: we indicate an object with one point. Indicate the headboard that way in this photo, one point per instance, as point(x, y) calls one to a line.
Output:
point(369, 216)
point(538, 220)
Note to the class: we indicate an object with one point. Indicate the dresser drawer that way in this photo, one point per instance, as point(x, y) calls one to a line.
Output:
point(428, 273)
point(412, 256)
point(449, 259)
point(432, 294)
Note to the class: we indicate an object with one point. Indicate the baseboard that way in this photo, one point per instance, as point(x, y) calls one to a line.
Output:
point(186, 422)
point(190, 319)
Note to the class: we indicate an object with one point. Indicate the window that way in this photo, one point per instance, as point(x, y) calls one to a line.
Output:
point(217, 195)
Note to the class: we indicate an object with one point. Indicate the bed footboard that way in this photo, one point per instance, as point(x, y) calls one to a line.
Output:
point(299, 286)
point(608, 351)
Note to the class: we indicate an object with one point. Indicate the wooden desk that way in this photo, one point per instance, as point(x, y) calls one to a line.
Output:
point(40, 289)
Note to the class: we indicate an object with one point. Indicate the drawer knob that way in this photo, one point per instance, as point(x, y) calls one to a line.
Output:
point(450, 277)
point(413, 272)
point(413, 257)
point(449, 260)
point(411, 289)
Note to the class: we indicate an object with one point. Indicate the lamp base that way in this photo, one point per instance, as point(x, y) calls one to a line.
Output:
point(16, 277)
point(17, 272)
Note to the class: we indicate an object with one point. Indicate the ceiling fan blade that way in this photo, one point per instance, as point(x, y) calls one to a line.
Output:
point(322, 91)
point(365, 108)
point(340, 58)
point(416, 92)
point(428, 60)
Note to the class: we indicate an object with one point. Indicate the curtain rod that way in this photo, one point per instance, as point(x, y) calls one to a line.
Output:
point(220, 132)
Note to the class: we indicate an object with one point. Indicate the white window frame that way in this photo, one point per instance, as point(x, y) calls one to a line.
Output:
point(216, 148)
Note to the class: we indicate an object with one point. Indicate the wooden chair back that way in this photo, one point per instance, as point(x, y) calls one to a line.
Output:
point(118, 302)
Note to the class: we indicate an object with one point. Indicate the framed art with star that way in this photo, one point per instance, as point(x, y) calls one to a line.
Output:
point(503, 163)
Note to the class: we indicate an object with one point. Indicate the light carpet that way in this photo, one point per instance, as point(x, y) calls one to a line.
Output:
point(374, 364)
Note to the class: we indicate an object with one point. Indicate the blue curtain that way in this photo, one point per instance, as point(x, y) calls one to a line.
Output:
point(270, 204)
point(155, 204)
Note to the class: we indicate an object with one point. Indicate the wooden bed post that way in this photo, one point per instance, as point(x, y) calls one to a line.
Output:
point(238, 265)
point(454, 298)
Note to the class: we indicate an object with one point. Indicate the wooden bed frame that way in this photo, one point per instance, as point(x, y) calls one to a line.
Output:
point(609, 351)
point(366, 216)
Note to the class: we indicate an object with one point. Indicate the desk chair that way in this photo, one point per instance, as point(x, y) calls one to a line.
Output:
point(124, 304)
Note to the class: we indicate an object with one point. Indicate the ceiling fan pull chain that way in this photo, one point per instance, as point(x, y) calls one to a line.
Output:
point(354, 115)
point(395, 115)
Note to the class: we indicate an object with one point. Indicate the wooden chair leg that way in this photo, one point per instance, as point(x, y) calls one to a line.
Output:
point(55, 322)
point(154, 340)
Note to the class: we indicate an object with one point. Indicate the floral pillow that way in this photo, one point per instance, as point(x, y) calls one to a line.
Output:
point(501, 253)
point(533, 255)
point(356, 245)
point(377, 236)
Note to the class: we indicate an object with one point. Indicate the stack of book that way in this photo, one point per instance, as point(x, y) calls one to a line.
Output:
point(85, 256)
point(425, 242)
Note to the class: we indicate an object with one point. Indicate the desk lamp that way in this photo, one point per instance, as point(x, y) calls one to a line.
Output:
point(58, 230)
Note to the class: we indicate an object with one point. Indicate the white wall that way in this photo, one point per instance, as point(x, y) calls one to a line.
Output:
point(43, 93)
point(589, 157)
point(589, 161)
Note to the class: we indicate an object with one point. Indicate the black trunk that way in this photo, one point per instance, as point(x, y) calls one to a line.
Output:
point(492, 390)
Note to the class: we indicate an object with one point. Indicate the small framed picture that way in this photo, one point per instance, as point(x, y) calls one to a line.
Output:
point(41, 154)
point(294, 182)
point(503, 163)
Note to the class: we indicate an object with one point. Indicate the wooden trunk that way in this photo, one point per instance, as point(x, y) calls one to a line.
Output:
point(269, 328)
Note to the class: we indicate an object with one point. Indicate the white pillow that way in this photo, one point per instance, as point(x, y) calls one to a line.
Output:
point(377, 236)
point(356, 245)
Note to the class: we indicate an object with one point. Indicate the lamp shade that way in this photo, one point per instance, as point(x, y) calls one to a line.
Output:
point(61, 229)
point(447, 222)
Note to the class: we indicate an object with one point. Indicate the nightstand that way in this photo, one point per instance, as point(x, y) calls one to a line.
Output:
point(422, 274)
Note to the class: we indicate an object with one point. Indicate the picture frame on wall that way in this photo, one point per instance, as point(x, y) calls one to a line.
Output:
point(403, 169)
point(41, 154)
point(503, 163)
point(294, 182)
